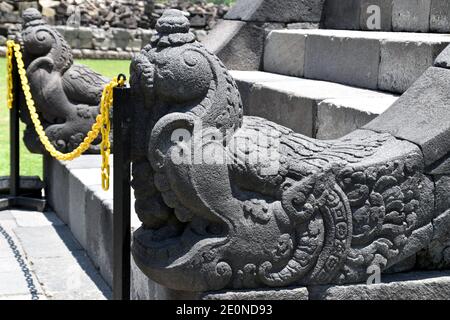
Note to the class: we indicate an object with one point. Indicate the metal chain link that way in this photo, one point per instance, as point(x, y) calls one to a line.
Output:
point(102, 123)
point(23, 266)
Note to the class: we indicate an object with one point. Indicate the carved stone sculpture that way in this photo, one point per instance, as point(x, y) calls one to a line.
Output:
point(231, 201)
point(67, 95)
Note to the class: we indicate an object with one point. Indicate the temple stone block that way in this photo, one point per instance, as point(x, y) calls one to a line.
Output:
point(411, 15)
point(338, 117)
point(426, 126)
point(347, 60)
point(342, 14)
point(275, 11)
point(440, 16)
point(284, 53)
point(403, 62)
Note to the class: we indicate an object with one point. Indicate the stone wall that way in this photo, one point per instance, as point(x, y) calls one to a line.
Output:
point(246, 25)
point(130, 14)
point(106, 29)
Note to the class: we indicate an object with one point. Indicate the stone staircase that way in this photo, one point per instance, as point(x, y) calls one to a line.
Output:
point(327, 82)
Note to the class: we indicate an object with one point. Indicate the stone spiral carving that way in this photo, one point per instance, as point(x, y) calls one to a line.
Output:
point(281, 209)
point(67, 95)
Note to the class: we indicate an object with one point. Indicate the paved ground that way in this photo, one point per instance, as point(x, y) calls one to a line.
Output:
point(40, 259)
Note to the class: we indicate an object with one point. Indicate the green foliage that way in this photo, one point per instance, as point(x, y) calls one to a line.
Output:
point(31, 164)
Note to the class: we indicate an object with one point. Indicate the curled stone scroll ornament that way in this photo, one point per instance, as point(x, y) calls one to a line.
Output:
point(282, 209)
point(67, 95)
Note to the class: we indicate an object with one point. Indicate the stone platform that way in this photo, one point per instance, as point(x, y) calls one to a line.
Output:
point(41, 260)
point(407, 286)
point(75, 194)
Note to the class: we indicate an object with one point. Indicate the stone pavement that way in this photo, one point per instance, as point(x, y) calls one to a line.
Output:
point(40, 259)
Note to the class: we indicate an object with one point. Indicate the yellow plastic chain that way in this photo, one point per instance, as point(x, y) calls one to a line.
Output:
point(102, 123)
point(9, 79)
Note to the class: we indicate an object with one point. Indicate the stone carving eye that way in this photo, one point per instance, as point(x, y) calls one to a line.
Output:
point(190, 58)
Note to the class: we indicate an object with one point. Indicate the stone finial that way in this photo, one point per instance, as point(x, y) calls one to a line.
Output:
point(32, 16)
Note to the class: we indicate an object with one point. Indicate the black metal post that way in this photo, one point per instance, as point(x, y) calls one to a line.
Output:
point(17, 197)
point(122, 200)
point(14, 182)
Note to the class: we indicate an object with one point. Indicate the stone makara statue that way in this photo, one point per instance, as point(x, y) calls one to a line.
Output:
point(67, 96)
point(232, 201)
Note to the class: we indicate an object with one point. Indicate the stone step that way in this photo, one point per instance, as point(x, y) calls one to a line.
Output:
point(388, 15)
point(388, 61)
point(320, 109)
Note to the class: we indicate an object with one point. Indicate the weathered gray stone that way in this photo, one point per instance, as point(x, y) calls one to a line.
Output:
point(423, 109)
point(246, 79)
point(122, 38)
point(238, 44)
point(414, 286)
point(437, 253)
point(342, 14)
point(276, 11)
point(67, 96)
point(284, 53)
point(55, 176)
point(443, 59)
point(86, 37)
point(353, 57)
point(100, 40)
point(440, 16)
point(146, 36)
point(77, 202)
point(99, 226)
point(312, 212)
point(411, 15)
point(296, 294)
point(294, 111)
point(338, 117)
point(442, 194)
point(143, 288)
point(373, 10)
point(303, 25)
point(348, 60)
point(343, 109)
point(70, 35)
point(403, 62)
